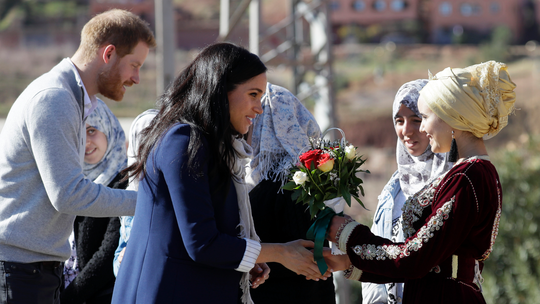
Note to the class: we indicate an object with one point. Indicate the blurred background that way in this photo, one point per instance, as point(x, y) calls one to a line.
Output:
point(345, 60)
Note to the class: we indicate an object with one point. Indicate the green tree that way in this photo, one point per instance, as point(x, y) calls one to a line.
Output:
point(498, 47)
point(512, 271)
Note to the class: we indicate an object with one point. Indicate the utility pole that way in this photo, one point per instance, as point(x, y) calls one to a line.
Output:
point(303, 43)
point(166, 45)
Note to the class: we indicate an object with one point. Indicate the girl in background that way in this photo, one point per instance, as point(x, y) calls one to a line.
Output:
point(88, 273)
point(139, 123)
point(417, 166)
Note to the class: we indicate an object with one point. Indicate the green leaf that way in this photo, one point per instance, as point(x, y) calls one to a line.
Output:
point(346, 195)
point(313, 210)
point(312, 165)
point(360, 202)
point(290, 186)
point(304, 194)
point(344, 174)
point(320, 204)
point(296, 195)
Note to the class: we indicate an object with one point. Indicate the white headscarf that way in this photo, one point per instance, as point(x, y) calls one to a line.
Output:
point(415, 171)
point(279, 135)
point(115, 159)
point(140, 123)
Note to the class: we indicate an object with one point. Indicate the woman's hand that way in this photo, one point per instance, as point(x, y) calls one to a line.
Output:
point(121, 255)
point(336, 222)
point(259, 274)
point(336, 262)
point(297, 258)
point(293, 255)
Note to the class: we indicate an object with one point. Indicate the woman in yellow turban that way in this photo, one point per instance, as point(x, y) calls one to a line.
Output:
point(451, 224)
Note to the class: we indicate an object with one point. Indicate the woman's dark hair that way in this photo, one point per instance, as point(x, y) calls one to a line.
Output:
point(198, 97)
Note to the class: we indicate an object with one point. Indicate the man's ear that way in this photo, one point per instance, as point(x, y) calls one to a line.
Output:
point(109, 52)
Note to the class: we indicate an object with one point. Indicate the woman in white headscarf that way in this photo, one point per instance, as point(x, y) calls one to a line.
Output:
point(88, 273)
point(451, 224)
point(279, 134)
point(417, 165)
point(139, 123)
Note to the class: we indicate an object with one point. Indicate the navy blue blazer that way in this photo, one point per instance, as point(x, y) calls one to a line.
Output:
point(183, 246)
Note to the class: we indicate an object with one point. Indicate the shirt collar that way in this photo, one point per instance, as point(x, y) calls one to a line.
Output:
point(90, 102)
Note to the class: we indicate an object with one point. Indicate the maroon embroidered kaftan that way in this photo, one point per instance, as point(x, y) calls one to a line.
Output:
point(450, 228)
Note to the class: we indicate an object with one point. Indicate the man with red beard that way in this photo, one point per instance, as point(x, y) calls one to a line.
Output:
point(42, 186)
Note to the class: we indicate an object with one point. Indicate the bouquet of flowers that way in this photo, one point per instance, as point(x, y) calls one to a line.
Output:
point(325, 178)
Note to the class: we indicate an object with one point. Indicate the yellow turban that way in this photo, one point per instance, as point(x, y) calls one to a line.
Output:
point(477, 99)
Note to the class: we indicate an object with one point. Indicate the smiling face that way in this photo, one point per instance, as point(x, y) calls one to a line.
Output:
point(245, 102)
point(122, 72)
point(96, 145)
point(438, 132)
point(407, 126)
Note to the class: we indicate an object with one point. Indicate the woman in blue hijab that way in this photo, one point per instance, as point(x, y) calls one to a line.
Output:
point(88, 273)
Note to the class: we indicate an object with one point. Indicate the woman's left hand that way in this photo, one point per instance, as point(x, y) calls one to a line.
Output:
point(259, 274)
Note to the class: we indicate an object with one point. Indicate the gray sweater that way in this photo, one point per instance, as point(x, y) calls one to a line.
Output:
point(42, 186)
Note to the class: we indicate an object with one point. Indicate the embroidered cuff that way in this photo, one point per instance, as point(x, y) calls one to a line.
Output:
point(345, 234)
point(253, 249)
point(340, 229)
point(352, 273)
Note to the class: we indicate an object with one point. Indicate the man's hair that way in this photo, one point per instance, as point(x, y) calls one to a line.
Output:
point(118, 27)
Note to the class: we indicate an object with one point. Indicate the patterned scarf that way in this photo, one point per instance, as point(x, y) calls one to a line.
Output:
point(115, 158)
point(280, 134)
point(247, 226)
point(415, 171)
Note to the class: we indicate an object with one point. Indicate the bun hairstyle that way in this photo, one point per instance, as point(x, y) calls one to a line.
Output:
point(476, 99)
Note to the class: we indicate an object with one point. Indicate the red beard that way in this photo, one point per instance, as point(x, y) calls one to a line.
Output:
point(110, 83)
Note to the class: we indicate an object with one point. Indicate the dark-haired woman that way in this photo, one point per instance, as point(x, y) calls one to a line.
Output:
point(193, 238)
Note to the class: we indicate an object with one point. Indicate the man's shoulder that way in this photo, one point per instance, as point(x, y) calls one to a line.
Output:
point(60, 79)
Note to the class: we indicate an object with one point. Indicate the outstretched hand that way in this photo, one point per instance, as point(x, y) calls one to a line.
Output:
point(336, 262)
point(299, 259)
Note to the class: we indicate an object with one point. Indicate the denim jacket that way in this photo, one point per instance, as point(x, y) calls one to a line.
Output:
point(382, 226)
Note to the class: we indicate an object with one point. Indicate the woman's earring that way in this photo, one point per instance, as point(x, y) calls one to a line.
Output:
point(453, 154)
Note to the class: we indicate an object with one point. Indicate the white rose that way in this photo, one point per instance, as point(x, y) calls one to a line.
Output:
point(350, 152)
point(300, 177)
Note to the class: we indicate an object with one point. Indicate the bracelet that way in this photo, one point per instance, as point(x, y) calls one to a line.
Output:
point(347, 272)
point(352, 273)
point(341, 227)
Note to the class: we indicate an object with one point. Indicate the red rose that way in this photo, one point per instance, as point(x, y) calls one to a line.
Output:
point(309, 157)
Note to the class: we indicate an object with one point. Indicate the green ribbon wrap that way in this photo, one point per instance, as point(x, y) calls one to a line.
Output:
point(317, 233)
